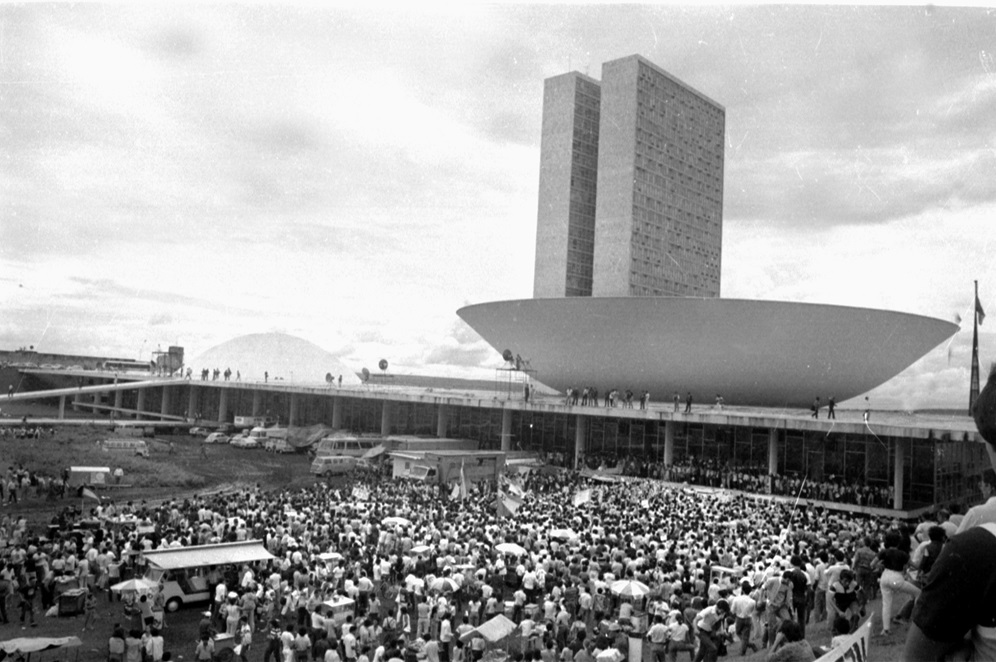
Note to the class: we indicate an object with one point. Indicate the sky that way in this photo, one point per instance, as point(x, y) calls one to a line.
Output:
point(179, 174)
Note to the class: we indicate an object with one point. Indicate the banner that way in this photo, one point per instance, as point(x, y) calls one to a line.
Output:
point(584, 496)
point(852, 649)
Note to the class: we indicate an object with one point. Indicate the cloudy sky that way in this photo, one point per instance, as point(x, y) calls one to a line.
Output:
point(187, 174)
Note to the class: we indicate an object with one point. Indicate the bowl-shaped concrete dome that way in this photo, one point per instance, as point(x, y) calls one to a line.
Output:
point(762, 353)
point(285, 358)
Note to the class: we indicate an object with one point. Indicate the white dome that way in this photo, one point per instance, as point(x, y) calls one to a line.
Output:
point(286, 358)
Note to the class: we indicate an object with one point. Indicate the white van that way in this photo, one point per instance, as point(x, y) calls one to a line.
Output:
point(133, 446)
point(333, 465)
point(275, 445)
point(182, 572)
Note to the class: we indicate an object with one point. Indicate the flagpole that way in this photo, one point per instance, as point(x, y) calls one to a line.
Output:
point(973, 388)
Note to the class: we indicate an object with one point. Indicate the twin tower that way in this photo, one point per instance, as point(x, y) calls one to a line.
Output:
point(631, 186)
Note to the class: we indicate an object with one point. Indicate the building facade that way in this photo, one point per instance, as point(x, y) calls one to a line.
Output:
point(565, 236)
point(650, 224)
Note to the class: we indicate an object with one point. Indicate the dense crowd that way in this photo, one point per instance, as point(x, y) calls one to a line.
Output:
point(718, 566)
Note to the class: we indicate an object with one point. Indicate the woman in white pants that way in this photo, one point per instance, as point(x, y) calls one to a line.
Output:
point(892, 581)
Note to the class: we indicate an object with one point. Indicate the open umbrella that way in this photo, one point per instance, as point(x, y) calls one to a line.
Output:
point(444, 584)
point(630, 588)
point(330, 556)
point(139, 585)
point(420, 549)
point(563, 534)
point(396, 521)
point(510, 548)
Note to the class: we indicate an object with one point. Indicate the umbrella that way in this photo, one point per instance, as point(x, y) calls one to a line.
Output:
point(396, 521)
point(510, 548)
point(443, 584)
point(330, 556)
point(630, 588)
point(139, 584)
point(420, 549)
point(566, 534)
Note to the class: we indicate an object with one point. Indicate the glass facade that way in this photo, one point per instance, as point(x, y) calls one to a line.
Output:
point(936, 470)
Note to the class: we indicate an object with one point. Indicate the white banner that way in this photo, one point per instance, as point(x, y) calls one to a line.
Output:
point(852, 649)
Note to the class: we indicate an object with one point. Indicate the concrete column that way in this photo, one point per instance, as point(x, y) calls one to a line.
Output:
point(140, 404)
point(506, 430)
point(165, 405)
point(337, 413)
point(62, 406)
point(580, 437)
point(772, 456)
point(899, 476)
point(257, 402)
point(442, 420)
point(385, 418)
point(223, 404)
point(668, 443)
point(193, 402)
point(292, 415)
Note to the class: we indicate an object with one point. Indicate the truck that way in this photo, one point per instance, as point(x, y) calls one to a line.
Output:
point(446, 467)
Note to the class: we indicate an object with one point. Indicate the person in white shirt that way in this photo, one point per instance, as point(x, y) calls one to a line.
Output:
point(742, 607)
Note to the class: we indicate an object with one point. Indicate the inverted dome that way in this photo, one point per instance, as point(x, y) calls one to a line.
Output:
point(764, 353)
point(285, 358)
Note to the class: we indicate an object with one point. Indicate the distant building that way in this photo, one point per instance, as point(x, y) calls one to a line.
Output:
point(631, 186)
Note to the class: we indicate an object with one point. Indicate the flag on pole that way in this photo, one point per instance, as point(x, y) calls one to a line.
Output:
point(464, 488)
point(979, 313)
point(87, 493)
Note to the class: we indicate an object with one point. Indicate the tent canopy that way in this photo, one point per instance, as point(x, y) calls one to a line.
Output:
point(36, 644)
point(205, 555)
point(493, 630)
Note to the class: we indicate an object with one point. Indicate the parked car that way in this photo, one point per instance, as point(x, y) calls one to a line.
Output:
point(199, 432)
point(216, 438)
point(244, 442)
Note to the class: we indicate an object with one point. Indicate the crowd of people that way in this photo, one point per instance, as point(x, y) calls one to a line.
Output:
point(577, 564)
point(752, 572)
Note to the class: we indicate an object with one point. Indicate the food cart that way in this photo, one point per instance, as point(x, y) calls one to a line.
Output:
point(338, 608)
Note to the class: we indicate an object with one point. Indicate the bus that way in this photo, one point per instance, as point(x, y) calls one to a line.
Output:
point(352, 446)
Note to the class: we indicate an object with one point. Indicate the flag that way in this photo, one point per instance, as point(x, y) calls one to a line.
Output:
point(979, 313)
point(87, 493)
point(509, 502)
point(583, 496)
point(464, 488)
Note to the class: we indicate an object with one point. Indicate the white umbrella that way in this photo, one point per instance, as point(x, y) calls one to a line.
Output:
point(330, 556)
point(420, 549)
point(565, 534)
point(630, 588)
point(510, 548)
point(396, 521)
point(139, 584)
